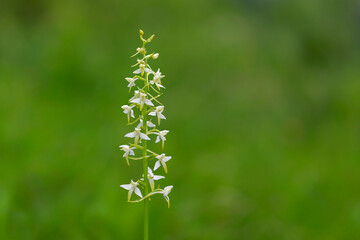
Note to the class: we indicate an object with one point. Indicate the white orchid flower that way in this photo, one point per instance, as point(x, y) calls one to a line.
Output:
point(131, 82)
point(166, 192)
point(132, 187)
point(128, 110)
point(136, 95)
point(162, 159)
point(158, 112)
point(137, 135)
point(161, 136)
point(157, 79)
point(148, 123)
point(152, 177)
point(142, 67)
point(127, 151)
point(141, 100)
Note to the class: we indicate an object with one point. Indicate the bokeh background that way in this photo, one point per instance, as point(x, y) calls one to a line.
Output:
point(262, 101)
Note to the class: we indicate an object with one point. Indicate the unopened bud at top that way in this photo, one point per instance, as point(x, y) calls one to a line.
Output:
point(155, 55)
point(151, 38)
point(141, 35)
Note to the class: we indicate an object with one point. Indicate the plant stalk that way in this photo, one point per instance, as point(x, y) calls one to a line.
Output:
point(145, 168)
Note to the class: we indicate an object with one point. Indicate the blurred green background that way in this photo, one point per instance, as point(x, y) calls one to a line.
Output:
point(262, 101)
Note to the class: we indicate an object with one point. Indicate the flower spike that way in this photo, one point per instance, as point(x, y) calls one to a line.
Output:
point(144, 112)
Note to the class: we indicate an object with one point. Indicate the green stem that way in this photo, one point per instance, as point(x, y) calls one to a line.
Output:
point(146, 201)
point(145, 168)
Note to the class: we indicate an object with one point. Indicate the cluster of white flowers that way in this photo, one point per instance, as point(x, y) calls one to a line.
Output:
point(147, 85)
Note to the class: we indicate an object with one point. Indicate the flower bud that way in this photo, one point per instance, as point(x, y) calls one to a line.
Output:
point(141, 35)
point(151, 38)
point(155, 56)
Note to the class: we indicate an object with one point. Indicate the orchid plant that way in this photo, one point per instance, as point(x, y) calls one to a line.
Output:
point(147, 87)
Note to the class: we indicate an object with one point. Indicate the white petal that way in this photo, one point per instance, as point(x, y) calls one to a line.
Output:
point(132, 114)
point(148, 102)
point(126, 186)
point(130, 135)
point(162, 116)
point(144, 136)
point(152, 113)
point(167, 158)
point(150, 124)
point(157, 165)
point(157, 177)
point(138, 192)
point(137, 71)
point(136, 100)
point(157, 139)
